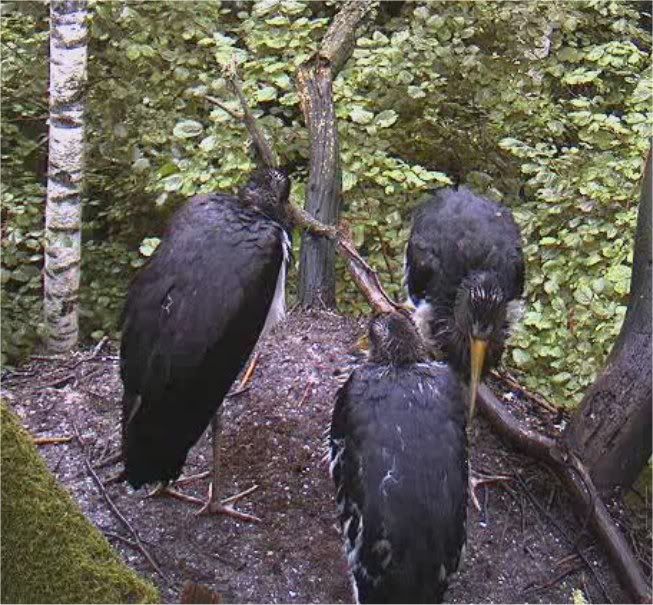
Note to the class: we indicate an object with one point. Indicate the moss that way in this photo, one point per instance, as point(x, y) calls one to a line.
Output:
point(50, 552)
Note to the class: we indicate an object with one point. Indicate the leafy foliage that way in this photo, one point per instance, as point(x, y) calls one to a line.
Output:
point(545, 106)
point(24, 109)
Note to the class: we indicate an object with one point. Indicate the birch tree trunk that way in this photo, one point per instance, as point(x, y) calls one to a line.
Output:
point(68, 53)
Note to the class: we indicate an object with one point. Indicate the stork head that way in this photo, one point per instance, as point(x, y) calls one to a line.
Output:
point(481, 326)
point(394, 339)
point(268, 190)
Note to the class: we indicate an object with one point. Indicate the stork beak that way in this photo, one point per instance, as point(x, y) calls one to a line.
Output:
point(477, 354)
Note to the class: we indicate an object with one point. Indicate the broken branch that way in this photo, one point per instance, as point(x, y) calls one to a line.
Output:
point(51, 440)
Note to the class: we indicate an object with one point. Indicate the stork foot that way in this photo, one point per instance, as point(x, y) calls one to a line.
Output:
point(247, 376)
point(191, 478)
point(478, 479)
point(163, 491)
point(225, 507)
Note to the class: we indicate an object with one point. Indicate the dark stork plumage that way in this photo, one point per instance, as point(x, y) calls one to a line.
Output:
point(192, 317)
point(465, 276)
point(398, 452)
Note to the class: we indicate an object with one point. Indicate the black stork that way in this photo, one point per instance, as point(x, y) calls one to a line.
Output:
point(192, 317)
point(398, 453)
point(465, 276)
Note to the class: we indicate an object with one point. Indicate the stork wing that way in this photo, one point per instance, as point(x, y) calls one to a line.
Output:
point(206, 291)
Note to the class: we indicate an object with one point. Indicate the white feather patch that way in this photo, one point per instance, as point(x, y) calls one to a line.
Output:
point(277, 309)
point(422, 317)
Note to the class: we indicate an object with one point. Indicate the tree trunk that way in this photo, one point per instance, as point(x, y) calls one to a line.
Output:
point(68, 52)
point(611, 431)
point(317, 279)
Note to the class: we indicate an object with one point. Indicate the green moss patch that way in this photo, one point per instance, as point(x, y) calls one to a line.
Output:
point(50, 552)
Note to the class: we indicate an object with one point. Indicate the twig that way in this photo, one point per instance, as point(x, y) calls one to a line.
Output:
point(113, 507)
point(553, 582)
point(51, 440)
point(110, 534)
point(98, 347)
point(234, 114)
point(267, 153)
point(537, 398)
point(58, 464)
point(48, 357)
point(306, 394)
point(57, 382)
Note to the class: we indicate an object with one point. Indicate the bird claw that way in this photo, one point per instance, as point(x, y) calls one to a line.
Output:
point(165, 491)
point(477, 479)
point(225, 507)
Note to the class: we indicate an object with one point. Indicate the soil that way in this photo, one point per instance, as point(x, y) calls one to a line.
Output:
point(525, 545)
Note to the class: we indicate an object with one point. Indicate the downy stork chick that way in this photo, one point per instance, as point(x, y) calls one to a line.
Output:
point(398, 453)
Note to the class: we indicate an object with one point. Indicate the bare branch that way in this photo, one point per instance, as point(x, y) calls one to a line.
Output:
point(268, 156)
point(234, 114)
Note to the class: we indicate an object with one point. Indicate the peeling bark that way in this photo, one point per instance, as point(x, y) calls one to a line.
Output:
point(68, 56)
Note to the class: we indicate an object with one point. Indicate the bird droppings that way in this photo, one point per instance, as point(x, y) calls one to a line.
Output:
point(274, 437)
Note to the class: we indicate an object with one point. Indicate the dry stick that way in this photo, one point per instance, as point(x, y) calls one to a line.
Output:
point(51, 440)
point(534, 444)
point(506, 377)
point(234, 114)
point(113, 507)
point(267, 153)
point(578, 483)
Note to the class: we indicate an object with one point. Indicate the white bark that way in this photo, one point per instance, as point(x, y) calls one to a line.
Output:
point(68, 54)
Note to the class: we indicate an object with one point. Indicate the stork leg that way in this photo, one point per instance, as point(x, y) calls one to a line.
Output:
point(478, 479)
point(247, 376)
point(214, 506)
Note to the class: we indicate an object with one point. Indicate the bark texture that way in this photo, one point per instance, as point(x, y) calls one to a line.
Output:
point(68, 56)
point(317, 281)
point(611, 431)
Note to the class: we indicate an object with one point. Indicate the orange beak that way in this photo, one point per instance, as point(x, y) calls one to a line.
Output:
point(477, 355)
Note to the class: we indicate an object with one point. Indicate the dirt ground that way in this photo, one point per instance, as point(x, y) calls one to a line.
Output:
point(524, 546)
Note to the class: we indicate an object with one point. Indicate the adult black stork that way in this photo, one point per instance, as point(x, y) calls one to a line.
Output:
point(398, 451)
point(192, 317)
point(465, 276)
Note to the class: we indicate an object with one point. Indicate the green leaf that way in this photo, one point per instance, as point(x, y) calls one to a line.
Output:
point(187, 129)
point(267, 93)
point(149, 245)
point(521, 357)
point(386, 118)
point(208, 143)
point(361, 116)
